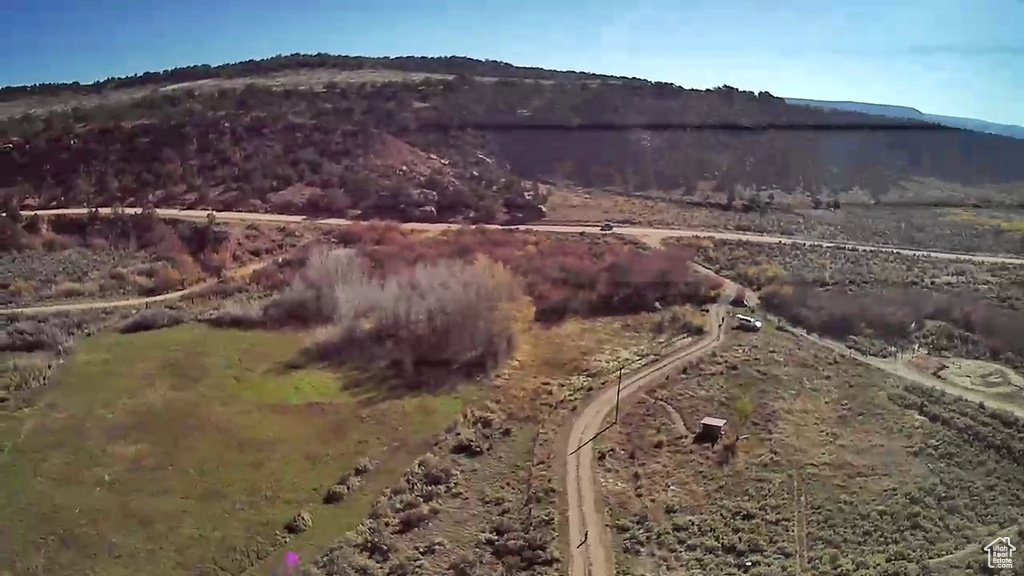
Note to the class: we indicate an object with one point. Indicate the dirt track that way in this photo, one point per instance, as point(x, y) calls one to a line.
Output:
point(586, 517)
point(654, 235)
point(673, 414)
point(138, 301)
point(897, 369)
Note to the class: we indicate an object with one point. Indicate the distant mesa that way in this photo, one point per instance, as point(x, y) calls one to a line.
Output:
point(1011, 130)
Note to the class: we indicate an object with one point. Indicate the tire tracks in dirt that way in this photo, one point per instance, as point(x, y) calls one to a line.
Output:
point(800, 521)
point(673, 415)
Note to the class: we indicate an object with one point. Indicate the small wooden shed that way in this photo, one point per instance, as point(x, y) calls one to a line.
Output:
point(712, 428)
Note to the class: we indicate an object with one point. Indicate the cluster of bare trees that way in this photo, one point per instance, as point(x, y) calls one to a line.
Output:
point(448, 313)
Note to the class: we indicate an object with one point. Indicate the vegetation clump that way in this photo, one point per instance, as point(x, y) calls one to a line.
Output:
point(152, 319)
point(877, 300)
point(300, 523)
point(449, 314)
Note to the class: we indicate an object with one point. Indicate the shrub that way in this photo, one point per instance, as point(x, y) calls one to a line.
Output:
point(364, 467)
point(299, 523)
point(166, 279)
point(220, 290)
point(679, 321)
point(70, 290)
point(20, 288)
point(236, 315)
point(32, 336)
point(467, 442)
point(24, 374)
point(412, 519)
point(151, 319)
point(433, 471)
point(466, 565)
point(119, 275)
point(336, 493)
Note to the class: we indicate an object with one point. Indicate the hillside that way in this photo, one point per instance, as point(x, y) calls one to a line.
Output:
point(449, 139)
point(449, 65)
point(1010, 130)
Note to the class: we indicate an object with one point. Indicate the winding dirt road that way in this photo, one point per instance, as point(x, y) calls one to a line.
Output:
point(586, 518)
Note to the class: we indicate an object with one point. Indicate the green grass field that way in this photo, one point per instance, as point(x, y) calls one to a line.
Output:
point(181, 451)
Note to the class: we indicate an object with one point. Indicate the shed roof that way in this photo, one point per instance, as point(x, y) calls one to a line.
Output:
point(715, 422)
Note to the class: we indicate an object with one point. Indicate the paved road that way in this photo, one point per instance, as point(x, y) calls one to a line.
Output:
point(586, 516)
point(653, 235)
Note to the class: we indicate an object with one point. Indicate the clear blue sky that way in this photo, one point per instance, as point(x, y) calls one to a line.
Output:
point(955, 57)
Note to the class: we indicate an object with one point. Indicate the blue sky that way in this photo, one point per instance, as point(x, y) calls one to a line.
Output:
point(955, 57)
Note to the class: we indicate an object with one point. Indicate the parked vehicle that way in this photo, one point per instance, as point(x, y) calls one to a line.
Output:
point(748, 323)
point(607, 227)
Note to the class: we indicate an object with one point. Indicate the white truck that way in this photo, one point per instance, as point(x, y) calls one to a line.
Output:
point(748, 323)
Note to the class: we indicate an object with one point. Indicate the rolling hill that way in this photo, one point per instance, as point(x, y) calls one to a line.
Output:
point(452, 139)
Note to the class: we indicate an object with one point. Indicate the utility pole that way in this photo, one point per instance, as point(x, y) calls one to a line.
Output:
point(618, 390)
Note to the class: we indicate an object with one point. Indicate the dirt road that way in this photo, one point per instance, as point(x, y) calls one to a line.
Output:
point(653, 235)
point(586, 516)
point(138, 301)
point(897, 369)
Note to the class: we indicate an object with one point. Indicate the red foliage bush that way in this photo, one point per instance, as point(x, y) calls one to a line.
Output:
point(893, 315)
point(564, 275)
point(185, 244)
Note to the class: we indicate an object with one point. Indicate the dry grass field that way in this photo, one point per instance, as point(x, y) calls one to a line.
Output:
point(840, 469)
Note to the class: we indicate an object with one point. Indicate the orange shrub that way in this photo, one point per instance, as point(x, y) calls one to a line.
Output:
point(166, 279)
point(70, 290)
